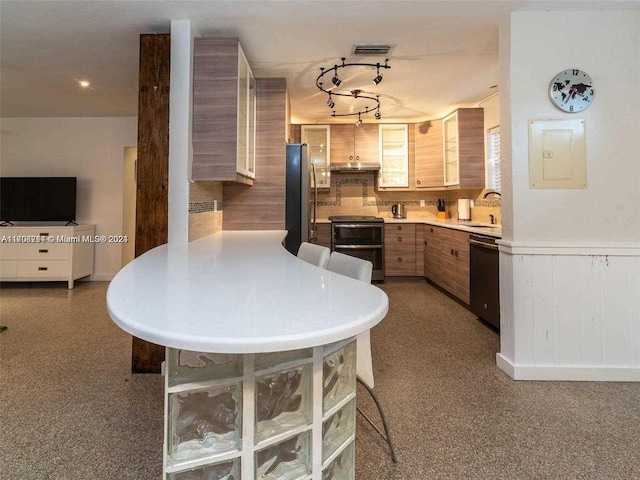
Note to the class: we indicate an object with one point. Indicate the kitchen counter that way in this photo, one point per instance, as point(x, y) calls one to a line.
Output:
point(239, 292)
point(261, 354)
point(481, 228)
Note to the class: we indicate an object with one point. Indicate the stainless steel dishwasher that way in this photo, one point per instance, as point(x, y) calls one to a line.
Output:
point(484, 284)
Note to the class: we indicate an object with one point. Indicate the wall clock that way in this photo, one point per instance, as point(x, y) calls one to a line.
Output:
point(571, 90)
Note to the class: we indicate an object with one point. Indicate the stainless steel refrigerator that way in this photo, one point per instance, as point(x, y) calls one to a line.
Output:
point(301, 201)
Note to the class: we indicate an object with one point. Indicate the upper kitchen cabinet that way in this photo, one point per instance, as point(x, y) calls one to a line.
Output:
point(394, 156)
point(354, 144)
point(318, 140)
point(429, 172)
point(463, 148)
point(224, 112)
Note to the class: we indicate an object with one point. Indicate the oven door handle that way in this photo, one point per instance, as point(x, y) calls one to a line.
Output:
point(357, 225)
point(352, 247)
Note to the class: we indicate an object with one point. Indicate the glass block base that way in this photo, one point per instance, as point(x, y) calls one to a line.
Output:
point(275, 416)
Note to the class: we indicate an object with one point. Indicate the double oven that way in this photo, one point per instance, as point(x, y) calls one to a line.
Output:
point(362, 237)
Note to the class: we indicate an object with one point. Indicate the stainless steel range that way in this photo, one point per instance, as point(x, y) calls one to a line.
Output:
point(362, 237)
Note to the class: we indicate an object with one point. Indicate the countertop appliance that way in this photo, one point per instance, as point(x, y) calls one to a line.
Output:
point(362, 237)
point(397, 210)
point(485, 278)
point(301, 198)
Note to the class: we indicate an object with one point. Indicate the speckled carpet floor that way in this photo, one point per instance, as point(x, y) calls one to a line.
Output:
point(70, 409)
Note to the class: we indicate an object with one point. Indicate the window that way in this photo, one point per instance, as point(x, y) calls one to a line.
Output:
point(493, 161)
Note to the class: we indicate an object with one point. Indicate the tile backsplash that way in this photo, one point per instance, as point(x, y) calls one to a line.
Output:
point(355, 194)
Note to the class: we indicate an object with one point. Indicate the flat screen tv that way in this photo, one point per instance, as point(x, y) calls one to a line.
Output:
point(37, 199)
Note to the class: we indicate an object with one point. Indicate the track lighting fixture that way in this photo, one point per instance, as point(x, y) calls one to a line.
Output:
point(330, 102)
point(359, 94)
point(378, 78)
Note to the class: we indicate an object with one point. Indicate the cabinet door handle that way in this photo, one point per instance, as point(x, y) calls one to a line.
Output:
point(357, 157)
point(399, 227)
point(418, 182)
point(431, 230)
point(43, 268)
point(456, 254)
point(399, 239)
point(451, 252)
point(350, 157)
point(43, 251)
point(400, 259)
point(425, 242)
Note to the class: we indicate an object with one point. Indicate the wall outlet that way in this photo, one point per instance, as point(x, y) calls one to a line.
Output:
point(422, 203)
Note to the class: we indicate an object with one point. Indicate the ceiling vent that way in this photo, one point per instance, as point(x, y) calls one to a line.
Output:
point(371, 49)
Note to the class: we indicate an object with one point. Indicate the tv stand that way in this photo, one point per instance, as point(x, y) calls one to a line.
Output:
point(46, 253)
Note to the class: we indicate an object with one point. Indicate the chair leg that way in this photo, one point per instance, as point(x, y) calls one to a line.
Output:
point(386, 435)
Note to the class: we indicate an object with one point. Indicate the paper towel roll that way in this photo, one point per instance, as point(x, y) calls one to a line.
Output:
point(464, 209)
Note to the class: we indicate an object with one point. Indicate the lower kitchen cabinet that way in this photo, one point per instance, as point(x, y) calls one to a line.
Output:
point(322, 235)
point(446, 260)
point(400, 249)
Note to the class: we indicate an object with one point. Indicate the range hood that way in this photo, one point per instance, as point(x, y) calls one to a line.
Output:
point(355, 167)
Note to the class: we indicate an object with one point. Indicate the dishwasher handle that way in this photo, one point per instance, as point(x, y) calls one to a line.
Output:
point(488, 246)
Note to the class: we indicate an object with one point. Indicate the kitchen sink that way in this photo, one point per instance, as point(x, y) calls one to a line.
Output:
point(479, 224)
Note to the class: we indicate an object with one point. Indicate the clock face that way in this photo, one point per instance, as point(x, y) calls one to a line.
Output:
point(571, 90)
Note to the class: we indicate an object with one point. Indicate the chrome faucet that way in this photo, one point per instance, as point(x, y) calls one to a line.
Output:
point(492, 193)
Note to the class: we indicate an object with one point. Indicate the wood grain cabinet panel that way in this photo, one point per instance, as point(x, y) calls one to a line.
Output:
point(463, 148)
point(429, 171)
point(446, 260)
point(323, 235)
point(224, 111)
point(354, 144)
point(400, 249)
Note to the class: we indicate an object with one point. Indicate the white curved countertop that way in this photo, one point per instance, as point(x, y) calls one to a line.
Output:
point(239, 292)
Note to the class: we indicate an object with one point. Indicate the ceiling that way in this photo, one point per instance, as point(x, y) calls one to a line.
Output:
point(445, 52)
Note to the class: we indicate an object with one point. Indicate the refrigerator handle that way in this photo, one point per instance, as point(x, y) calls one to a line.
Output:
point(315, 202)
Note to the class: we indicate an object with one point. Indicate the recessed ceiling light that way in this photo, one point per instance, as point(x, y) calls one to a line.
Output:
point(84, 83)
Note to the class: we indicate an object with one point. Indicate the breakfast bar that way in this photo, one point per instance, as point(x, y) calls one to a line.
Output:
point(261, 362)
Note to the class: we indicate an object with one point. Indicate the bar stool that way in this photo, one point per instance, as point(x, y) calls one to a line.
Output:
point(314, 254)
point(361, 270)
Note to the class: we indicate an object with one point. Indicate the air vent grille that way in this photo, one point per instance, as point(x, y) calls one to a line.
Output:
point(371, 49)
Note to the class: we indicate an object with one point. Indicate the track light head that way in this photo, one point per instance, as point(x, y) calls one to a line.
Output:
point(378, 79)
point(331, 103)
point(336, 81)
point(378, 116)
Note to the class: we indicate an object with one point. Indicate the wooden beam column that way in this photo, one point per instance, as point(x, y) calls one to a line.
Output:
point(152, 196)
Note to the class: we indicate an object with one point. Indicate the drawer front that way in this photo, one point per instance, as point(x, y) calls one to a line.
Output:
point(405, 228)
point(404, 265)
point(8, 251)
point(45, 231)
point(43, 269)
point(43, 251)
point(8, 268)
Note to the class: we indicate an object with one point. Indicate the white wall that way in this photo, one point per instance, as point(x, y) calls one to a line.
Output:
point(91, 149)
point(570, 260)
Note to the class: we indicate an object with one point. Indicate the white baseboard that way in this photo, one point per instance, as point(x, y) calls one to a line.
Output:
point(567, 372)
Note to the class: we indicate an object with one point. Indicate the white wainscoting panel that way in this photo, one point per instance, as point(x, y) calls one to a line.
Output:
point(570, 316)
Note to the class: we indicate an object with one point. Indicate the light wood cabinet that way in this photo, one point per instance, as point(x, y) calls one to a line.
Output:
point(350, 143)
point(322, 235)
point(429, 171)
point(463, 148)
point(446, 260)
point(400, 249)
point(318, 140)
point(48, 253)
point(224, 112)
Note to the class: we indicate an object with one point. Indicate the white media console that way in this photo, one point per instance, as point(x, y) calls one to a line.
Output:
point(46, 253)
